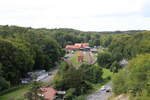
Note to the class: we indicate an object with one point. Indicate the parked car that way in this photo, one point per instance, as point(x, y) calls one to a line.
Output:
point(108, 89)
point(49, 73)
point(103, 88)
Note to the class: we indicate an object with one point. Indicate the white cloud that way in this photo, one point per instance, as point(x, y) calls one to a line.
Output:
point(86, 15)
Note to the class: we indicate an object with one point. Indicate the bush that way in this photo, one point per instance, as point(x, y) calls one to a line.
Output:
point(92, 73)
point(4, 84)
point(82, 97)
point(104, 59)
point(135, 78)
point(119, 83)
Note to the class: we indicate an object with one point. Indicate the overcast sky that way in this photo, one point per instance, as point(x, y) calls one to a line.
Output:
point(86, 15)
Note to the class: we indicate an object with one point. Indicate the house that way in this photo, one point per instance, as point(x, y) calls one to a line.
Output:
point(77, 46)
point(51, 94)
point(82, 45)
point(72, 47)
point(48, 93)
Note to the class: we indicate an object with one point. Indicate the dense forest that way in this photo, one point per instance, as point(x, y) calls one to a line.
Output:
point(134, 78)
point(27, 49)
point(24, 49)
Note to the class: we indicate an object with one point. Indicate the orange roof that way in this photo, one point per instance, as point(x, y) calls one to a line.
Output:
point(48, 93)
point(72, 47)
point(85, 44)
point(69, 46)
point(82, 44)
point(77, 46)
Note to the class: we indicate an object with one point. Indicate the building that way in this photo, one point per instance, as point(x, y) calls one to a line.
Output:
point(48, 93)
point(80, 57)
point(77, 46)
point(51, 94)
point(72, 47)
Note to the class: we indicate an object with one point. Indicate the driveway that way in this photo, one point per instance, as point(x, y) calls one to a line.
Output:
point(49, 79)
point(101, 95)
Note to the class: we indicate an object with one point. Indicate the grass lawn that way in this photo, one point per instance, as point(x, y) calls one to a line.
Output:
point(106, 73)
point(14, 95)
point(74, 58)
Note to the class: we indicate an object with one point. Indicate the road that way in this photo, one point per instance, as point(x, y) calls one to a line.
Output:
point(49, 79)
point(101, 95)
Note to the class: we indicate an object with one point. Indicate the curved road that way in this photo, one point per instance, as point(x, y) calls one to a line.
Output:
point(101, 95)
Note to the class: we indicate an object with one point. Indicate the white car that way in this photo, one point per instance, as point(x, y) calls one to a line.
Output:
point(108, 89)
point(103, 88)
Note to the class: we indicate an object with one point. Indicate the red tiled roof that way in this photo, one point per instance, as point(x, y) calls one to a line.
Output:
point(77, 46)
point(85, 44)
point(72, 47)
point(48, 93)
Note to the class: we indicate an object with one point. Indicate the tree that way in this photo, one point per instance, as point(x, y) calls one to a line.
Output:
point(115, 67)
point(17, 57)
point(4, 84)
point(104, 59)
point(70, 77)
point(134, 78)
point(34, 92)
point(128, 46)
point(92, 73)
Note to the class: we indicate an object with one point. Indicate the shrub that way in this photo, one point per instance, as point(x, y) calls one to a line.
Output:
point(135, 78)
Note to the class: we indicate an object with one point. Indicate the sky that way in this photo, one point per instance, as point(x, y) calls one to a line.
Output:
point(85, 15)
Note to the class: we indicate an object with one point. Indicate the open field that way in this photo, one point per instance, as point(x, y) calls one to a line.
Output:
point(16, 94)
point(74, 58)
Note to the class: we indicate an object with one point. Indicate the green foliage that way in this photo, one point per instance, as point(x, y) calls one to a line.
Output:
point(135, 78)
point(14, 56)
point(104, 59)
point(92, 73)
point(106, 39)
point(4, 84)
point(82, 97)
point(128, 46)
point(119, 82)
point(115, 67)
point(77, 81)
point(144, 95)
point(26, 49)
point(70, 93)
point(32, 94)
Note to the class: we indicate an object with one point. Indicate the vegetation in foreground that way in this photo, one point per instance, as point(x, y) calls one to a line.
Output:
point(26, 49)
point(77, 81)
point(134, 79)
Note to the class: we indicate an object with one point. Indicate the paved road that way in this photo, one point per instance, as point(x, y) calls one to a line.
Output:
point(49, 79)
point(100, 95)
